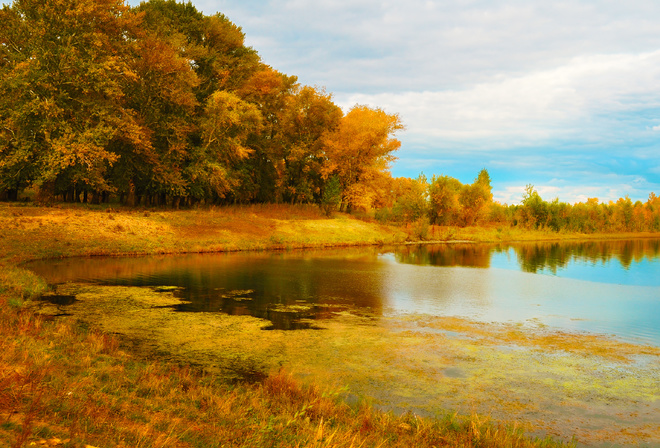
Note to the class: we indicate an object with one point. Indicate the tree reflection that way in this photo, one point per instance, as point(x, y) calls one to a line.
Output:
point(552, 256)
point(532, 257)
point(469, 255)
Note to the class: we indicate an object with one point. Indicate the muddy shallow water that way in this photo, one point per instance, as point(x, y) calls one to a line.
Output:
point(428, 331)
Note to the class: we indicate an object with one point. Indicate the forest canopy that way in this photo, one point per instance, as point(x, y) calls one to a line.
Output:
point(161, 104)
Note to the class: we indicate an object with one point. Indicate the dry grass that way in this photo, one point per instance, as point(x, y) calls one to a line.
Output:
point(37, 233)
point(61, 385)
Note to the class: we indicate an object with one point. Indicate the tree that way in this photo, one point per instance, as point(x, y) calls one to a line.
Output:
point(358, 150)
point(533, 212)
point(411, 202)
point(308, 115)
point(213, 45)
point(331, 197)
point(226, 126)
point(475, 199)
point(444, 206)
point(163, 98)
point(62, 91)
point(264, 173)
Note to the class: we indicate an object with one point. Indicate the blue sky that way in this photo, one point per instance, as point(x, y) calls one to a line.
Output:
point(564, 95)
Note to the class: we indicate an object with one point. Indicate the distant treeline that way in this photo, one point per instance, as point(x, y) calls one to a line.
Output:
point(446, 201)
point(163, 105)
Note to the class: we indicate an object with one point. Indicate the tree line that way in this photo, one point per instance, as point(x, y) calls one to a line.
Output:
point(162, 105)
point(446, 201)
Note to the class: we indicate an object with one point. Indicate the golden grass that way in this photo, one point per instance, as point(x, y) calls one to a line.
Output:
point(37, 233)
point(496, 234)
point(62, 385)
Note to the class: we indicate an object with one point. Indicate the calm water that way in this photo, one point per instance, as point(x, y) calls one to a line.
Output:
point(604, 287)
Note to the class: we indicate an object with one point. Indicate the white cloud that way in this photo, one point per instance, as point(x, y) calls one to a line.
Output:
point(537, 106)
point(422, 45)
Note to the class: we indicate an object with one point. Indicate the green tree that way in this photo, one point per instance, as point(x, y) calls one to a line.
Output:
point(534, 210)
point(412, 200)
point(309, 114)
point(331, 197)
point(226, 126)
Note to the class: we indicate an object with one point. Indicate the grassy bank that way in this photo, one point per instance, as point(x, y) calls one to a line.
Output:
point(34, 232)
point(79, 230)
point(63, 384)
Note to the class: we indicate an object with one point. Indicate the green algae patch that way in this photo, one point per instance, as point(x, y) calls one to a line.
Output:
point(593, 388)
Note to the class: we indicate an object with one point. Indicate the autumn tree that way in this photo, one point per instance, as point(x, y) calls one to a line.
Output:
point(308, 115)
point(411, 199)
point(264, 173)
point(653, 207)
point(213, 45)
point(359, 150)
point(163, 98)
point(475, 199)
point(226, 126)
point(63, 95)
point(444, 206)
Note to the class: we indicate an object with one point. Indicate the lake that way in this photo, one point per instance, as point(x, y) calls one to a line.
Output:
point(562, 336)
point(609, 287)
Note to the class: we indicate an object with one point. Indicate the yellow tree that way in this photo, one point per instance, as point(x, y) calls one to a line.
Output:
point(227, 124)
point(359, 150)
point(309, 114)
point(475, 199)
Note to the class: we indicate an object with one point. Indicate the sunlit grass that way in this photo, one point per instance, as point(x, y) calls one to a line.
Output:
point(32, 232)
point(77, 387)
point(20, 284)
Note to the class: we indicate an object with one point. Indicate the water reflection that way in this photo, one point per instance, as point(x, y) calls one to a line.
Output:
point(290, 289)
point(607, 287)
point(469, 255)
point(548, 258)
point(555, 256)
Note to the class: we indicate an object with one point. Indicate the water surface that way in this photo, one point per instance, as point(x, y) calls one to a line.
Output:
point(423, 329)
point(607, 287)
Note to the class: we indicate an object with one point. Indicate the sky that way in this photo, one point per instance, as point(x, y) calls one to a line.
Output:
point(563, 95)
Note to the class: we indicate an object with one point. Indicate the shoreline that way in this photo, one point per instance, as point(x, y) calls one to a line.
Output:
point(61, 232)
